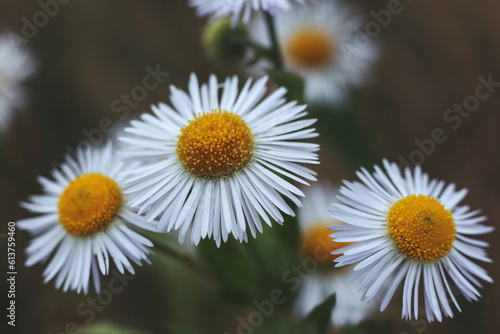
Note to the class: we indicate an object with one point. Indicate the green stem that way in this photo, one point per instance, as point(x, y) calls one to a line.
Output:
point(276, 53)
point(185, 259)
point(260, 263)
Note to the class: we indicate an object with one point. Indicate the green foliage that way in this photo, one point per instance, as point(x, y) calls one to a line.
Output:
point(339, 125)
point(258, 53)
point(110, 328)
point(376, 326)
point(283, 326)
point(225, 43)
point(249, 271)
point(233, 266)
point(292, 82)
point(320, 315)
point(177, 329)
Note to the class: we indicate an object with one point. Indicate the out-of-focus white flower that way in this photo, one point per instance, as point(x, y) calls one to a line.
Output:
point(16, 64)
point(314, 220)
point(316, 43)
point(241, 9)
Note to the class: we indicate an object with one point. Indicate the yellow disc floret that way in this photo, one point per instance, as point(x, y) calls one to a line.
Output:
point(317, 242)
point(89, 203)
point(421, 227)
point(215, 144)
point(311, 48)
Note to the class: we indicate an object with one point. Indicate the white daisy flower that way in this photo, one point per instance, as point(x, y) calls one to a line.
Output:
point(314, 220)
point(84, 221)
point(409, 229)
point(213, 163)
point(16, 65)
point(241, 9)
point(313, 40)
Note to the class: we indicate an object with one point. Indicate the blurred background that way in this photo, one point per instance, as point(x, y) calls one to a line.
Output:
point(91, 52)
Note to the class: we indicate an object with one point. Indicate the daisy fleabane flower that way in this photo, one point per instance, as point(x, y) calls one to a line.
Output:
point(241, 9)
point(410, 230)
point(84, 221)
point(316, 43)
point(16, 65)
point(314, 220)
point(217, 165)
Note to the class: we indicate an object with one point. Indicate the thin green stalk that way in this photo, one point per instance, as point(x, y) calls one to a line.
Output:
point(260, 264)
point(276, 53)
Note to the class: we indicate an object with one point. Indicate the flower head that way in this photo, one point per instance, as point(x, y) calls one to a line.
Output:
point(84, 221)
point(408, 229)
point(217, 165)
point(317, 42)
point(314, 220)
point(240, 9)
point(225, 43)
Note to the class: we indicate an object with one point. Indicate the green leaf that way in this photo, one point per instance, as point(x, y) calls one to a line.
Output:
point(278, 324)
point(259, 53)
point(341, 127)
point(234, 267)
point(109, 328)
point(320, 315)
point(178, 329)
point(292, 82)
point(276, 248)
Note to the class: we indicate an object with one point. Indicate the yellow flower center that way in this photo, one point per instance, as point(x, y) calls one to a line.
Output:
point(317, 241)
point(89, 203)
point(215, 144)
point(421, 227)
point(311, 48)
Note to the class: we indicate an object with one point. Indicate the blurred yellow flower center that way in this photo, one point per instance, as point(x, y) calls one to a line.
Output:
point(311, 48)
point(421, 227)
point(215, 144)
point(317, 241)
point(89, 203)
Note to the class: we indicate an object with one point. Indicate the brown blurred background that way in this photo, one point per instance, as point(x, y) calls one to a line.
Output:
point(92, 52)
